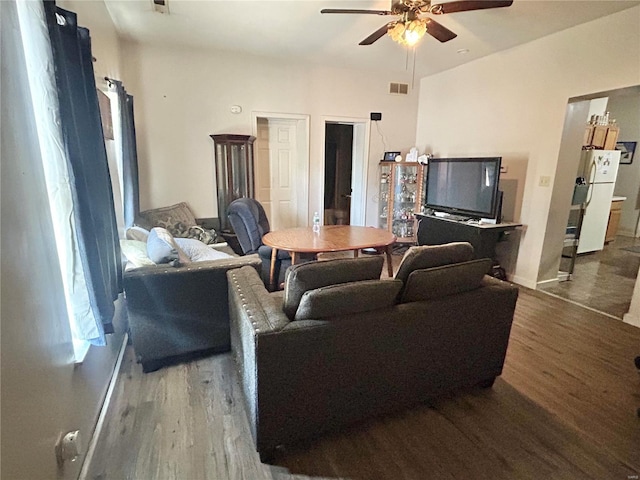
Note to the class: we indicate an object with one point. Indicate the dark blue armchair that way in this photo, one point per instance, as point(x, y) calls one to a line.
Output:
point(249, 222)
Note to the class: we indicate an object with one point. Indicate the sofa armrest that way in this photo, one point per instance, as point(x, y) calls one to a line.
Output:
point(253, 311)
point(177, 311)
point(197, 285)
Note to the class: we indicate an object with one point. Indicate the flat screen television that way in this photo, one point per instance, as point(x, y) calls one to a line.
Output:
point(465, 187)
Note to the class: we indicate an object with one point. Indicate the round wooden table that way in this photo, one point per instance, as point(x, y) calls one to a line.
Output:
point(330, 238)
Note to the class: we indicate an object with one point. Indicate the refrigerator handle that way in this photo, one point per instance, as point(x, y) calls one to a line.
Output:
point(591, 178)
point(589, 195)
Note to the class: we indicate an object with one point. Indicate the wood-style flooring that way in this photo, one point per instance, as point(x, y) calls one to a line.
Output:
point(564, 408)
point(602, 280)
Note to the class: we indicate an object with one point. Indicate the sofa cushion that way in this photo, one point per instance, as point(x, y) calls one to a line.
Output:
point(135, 252)
point(198, 251)
point(162, 248)
point(347, 299)
point(311, 275)
point(429, 256)
point(166, 216)
point(437, 282)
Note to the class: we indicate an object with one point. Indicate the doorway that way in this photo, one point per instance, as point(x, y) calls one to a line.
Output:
point(282, 168)
point(604, 280)
point(345, 170)
point(338, 169)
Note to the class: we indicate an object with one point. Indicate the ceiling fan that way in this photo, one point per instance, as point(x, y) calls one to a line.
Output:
point(410, 27)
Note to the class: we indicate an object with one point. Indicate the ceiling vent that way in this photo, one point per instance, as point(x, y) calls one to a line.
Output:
point(399, 88)
point(160, 6)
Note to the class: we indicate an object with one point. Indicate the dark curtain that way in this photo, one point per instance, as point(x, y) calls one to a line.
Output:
point(94, 214)
point(130, 187)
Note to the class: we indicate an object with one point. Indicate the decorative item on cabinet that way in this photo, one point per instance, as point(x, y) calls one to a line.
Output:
point(400, 198)
point(234, 171)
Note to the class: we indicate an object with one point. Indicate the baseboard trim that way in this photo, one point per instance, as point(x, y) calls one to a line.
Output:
point(581, 305)
point(103, 412)
point(631, 319)
point(545, 283)
point(525, 282)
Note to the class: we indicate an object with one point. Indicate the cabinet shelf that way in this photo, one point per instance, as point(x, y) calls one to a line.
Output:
point(401, 185)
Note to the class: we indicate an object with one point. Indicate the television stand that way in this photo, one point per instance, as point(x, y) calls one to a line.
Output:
point(436, 230)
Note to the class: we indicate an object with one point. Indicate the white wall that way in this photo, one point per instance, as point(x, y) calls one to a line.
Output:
point(43, 392)
point(184, 95)
point(626, 110)
point(513, 104)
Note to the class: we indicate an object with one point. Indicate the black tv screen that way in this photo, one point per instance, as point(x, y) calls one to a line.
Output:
point(463, 186)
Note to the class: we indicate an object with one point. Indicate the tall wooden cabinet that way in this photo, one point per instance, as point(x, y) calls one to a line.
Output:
point(234, 171)
point(400, 197)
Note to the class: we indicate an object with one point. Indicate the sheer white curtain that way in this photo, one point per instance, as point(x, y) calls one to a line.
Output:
point(35, 37)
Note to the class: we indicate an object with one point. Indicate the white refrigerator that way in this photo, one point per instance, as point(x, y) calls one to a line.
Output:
point(600, 169)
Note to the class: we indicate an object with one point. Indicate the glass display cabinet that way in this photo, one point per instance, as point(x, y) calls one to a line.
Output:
point(234, 171)
point(400, 198)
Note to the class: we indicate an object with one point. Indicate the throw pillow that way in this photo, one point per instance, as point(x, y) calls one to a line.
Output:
point(438, 282)
point(180, 230)
point(166, 216)
point(347, 299)
point(162, 248)
point(198, 251)
point(137, 233)
point(429, 256)
point(136, 253)
point(309, 276)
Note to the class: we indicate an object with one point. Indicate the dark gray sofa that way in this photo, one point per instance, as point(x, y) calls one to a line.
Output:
point(178, 313)
point(434, 334)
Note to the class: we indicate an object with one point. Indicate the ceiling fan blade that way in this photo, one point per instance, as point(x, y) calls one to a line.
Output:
point(439, 31)
point(466, 5)
point(343, 10)
point(375, 35)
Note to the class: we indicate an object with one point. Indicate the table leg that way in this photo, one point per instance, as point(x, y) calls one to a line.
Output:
point(294, 258)
point(274, 256)
point(356, 253)
point(389, 261)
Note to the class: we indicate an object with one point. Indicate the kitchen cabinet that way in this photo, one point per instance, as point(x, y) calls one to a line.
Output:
point(614, 219)
point(601, 137)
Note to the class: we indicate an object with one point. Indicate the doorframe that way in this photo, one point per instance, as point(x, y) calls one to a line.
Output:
point(303, 155)
point(359, 164)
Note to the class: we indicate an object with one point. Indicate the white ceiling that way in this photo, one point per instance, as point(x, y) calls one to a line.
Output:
point(295, 30)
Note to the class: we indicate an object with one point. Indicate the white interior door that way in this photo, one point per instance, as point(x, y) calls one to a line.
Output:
point(276, 170)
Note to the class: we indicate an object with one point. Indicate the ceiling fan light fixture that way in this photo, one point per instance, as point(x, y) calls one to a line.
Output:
point(409, 32)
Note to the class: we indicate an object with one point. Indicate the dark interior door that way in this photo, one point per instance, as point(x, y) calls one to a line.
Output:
point(337, 173)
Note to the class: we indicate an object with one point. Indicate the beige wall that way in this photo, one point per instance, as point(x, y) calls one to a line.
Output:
point(184, 95)
point(513, 104)
point(43, 393)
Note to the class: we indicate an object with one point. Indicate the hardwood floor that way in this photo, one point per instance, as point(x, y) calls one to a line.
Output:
point(602, 280)
point(564, 408)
